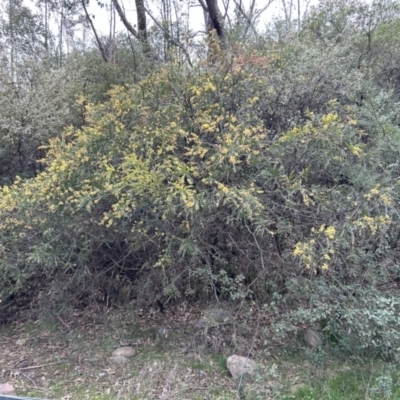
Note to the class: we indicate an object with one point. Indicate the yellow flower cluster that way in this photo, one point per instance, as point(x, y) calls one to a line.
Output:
point(373, 223)
point(384, 194)
point(308, 253)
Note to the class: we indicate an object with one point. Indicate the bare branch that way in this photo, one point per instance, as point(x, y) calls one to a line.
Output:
point(257, 14)
point(288, 13)
point(101, 48)
point(226, 15)
point(126, 23)
point(251, 16)
point(177, 44)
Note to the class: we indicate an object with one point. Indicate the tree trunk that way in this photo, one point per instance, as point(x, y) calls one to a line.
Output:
point(287, 8)
point(142, 26)
point(61, 31)
point(207, 21)
point(216, 19)
point(141, 21)
point(46, 27)
point(126, 23)
point(298, 15)
point(12, 39)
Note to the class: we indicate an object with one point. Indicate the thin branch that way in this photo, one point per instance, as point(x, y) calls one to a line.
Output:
point(103, 54)
point(169, 36)
point(246, 17)
point(252, 16)
point(29, 379)
point(226, 15)
point(261, 10)
point(126, 23)
point(35, 366)
point(226, 7)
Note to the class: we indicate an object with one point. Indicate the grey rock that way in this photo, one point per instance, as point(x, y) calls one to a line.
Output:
point(200, 324)
point(162, 331)
point(124, 351)
point(241, 368)
point(312, 339)
point(243, 329)
point(7, 389)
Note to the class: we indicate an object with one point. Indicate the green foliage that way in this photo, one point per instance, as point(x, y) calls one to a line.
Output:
point(38, 105)
point(382, 388)
point(268, 174)
point(140, 179)
point(352, 316)
point(355, 382)
point(34, 108)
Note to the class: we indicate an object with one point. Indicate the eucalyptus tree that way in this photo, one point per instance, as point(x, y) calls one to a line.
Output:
point(22, 35)
point(36, 95)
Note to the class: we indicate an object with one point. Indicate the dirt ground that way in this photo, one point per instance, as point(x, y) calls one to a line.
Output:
point(70, 358)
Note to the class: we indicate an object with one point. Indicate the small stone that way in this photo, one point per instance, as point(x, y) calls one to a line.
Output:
point(45, 383)
point(243, 329)
point(162, 331)
point(200, 324)
point(102, 374)
point(241, 368)
point(7, 389)
point(312, 338)
point(21, 342)
point(124, 351)
point(119, 359)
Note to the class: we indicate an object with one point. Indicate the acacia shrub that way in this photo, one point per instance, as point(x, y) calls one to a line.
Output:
point(175, 187)
point(159, 178)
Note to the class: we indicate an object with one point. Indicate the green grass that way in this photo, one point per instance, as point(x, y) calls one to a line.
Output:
point(356, 381)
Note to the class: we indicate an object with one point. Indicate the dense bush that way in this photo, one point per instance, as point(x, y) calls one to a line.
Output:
point(151, 180)
point(272, 177)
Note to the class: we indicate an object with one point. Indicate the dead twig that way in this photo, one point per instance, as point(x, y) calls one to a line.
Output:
point(38, 388)
point(62, 321)
point(29, 379)
point(35, 366)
